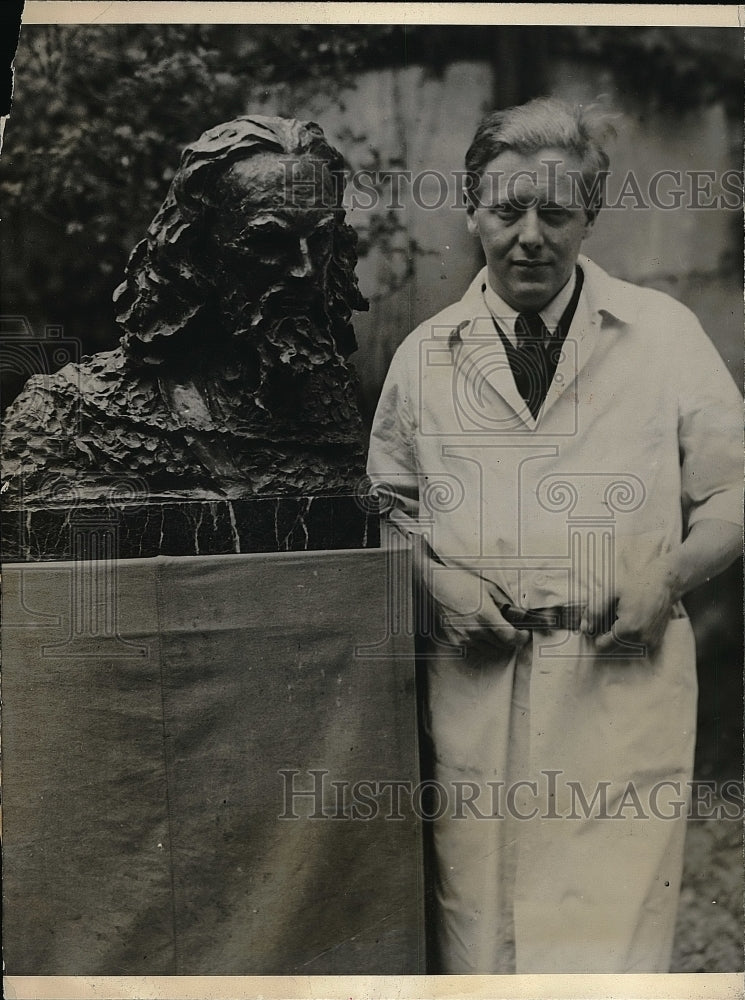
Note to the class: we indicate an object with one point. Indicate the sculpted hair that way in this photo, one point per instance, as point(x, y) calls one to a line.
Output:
point(541, 124)
point(166, 299)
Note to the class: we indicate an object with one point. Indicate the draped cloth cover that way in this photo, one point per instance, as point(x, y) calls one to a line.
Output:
point(149, 706)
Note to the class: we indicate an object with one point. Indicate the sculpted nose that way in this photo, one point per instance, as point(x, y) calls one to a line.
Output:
point(302, 266)
point(531, 235)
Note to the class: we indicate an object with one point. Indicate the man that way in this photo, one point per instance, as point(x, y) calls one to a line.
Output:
point(564, 450)
point(231, 379)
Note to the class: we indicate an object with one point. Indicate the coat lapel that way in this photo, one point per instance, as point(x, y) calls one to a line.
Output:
point(481, 354)
point(482, 357)
point(576, 352)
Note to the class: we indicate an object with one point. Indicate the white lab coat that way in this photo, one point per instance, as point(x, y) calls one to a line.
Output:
point(639, 437)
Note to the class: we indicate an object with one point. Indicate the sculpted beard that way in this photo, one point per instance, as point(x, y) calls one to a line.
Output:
point(288, 331)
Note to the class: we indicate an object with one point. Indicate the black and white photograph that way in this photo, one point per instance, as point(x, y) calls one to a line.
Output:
point(371, 472)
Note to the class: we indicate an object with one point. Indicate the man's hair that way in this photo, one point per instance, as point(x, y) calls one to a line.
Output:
point(544, 123)
point(166, 300)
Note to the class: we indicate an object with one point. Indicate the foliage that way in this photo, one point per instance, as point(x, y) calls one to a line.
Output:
point(98, 119)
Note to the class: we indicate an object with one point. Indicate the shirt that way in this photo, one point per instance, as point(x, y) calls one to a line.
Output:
point(505, 315)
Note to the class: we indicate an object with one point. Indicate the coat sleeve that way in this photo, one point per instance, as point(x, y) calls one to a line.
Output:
point(710, 431)
point(392, 464)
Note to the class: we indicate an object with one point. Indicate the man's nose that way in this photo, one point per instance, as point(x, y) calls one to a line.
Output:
point(302, 265)
point(531, 232)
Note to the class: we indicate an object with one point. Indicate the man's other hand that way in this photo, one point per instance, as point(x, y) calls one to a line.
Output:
point(467, 605)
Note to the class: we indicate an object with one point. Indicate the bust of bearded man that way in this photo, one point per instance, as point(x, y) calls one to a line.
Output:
point(231, 379)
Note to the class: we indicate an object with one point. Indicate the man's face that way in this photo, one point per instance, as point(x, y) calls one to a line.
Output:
point(530, 225)
point(274, 229)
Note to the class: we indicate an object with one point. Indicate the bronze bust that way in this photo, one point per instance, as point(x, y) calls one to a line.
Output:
point(231, 378)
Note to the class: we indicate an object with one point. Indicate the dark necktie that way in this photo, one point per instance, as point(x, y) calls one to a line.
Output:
point(532, 366)
point(535, 359)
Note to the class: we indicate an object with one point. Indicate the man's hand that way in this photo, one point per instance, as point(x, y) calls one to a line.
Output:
point(468, 608)
point(641, 605)
point(646, 591)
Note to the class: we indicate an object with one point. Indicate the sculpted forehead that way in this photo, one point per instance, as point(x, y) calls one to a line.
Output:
point(272, 181)
point(267, 195)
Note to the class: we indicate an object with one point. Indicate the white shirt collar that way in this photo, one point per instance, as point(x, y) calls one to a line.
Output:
point(551, 313)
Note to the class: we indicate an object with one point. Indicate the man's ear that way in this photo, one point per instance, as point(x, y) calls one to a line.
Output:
point(471, 220)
